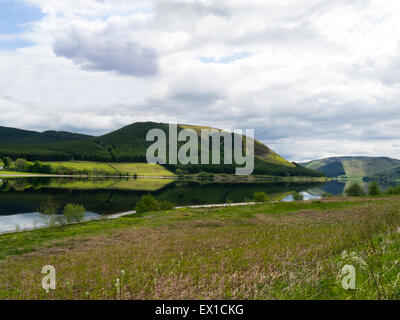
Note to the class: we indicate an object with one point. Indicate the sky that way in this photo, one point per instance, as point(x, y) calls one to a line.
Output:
point(314, 78)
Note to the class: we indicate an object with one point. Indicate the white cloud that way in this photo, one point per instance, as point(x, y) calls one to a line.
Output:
point(314, 78)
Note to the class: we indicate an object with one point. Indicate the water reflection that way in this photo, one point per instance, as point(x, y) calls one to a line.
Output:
point(28, 220)
point(306, 196)
point(21, 198)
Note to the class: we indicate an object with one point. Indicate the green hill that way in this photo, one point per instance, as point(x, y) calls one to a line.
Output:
point(393, 174)
point(11, 136)
point(129, 144)
point(352, 166)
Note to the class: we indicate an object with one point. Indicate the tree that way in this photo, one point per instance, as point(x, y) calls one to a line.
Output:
point(374, 189)
point(179, 172)
point(20, 165)
point(297, 196)
point(74, 212)
point(260, 197)
point(7, 162)
point(355, 190)
point(49, 207)
point(147, 203)
point(394, 190)
point(45, 168)
point(36, 166)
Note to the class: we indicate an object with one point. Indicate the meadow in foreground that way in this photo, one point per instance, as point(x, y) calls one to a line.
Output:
point(267, 251)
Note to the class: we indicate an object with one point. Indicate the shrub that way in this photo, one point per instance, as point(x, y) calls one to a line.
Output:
point(260, 197)
point(148, 203)
point(166, 205)
point(205, 176)
point(394, 190)
point(355, 190)
point(61, 220)
point(49, 207)
point(7, 162)
point(74, 212)
point(20, 165)
point(297, 196)
point(374, 189)
point(327, 195)
point(179, 172)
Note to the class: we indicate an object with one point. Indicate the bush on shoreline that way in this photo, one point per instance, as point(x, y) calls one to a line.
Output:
point(74, 213)
point(260, 197)
point(355, 190)
point(374, 189)
point(297, 196)
point(148, 203)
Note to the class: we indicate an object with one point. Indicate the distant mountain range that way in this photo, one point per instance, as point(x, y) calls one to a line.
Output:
point(356, 167)
point(127, 144)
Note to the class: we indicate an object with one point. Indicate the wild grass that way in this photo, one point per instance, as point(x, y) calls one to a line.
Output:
point(82, 165)
point(142, 169)
point(265, 251)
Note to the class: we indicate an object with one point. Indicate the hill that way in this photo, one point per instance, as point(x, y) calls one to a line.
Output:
point(129, 144)
point(352, 166)
point(393, 174)
point(18, 136)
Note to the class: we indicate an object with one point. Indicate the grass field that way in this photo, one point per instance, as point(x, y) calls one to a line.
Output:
point(82, 165)
point(141, 169)
point(266, 251)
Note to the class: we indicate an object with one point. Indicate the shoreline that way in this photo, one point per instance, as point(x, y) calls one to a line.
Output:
point(182, 178)
point(127, 213)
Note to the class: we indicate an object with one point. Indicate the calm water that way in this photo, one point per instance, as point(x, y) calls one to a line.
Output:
point(21, 198)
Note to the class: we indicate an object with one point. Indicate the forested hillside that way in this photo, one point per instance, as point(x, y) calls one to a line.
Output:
point(129, 145)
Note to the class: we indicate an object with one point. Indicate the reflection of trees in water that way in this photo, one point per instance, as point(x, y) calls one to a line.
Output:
point(106, 201)
point(339, 187)
point(334, 187)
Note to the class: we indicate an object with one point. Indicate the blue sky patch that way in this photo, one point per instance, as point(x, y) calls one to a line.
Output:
point(227, 59)
point(14, 17)
point(14, 44)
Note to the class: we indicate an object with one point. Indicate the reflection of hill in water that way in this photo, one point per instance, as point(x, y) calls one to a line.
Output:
point(338, 187)
point(106, 197)
point(333, 187)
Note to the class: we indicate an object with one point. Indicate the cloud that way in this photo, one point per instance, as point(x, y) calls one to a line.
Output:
point(97, 53)
point(313, 78)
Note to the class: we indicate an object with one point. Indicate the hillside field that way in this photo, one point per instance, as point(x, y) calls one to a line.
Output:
point(141, 169)
point(265, 251)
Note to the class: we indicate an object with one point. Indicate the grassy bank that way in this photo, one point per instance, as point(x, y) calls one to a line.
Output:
point(265, 251)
